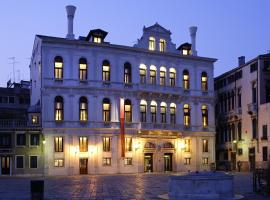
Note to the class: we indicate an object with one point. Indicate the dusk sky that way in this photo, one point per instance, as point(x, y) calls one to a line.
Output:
point(226, 29)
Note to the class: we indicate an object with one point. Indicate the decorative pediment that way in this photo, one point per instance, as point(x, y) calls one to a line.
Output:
point(157, 29)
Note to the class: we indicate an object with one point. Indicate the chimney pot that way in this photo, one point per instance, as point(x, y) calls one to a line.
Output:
point(241, 60)
point(193, 30)
point(70, 16)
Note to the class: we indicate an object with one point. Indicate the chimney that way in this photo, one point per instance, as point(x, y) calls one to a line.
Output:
point(241, 60)
point(70, 15)
point(193, 30)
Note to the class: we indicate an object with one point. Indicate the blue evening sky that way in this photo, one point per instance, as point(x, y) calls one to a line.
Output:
point(226, 29)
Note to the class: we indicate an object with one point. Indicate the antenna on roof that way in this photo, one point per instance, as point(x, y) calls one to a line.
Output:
point(13, 66)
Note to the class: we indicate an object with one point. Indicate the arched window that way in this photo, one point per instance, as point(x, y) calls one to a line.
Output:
point(163, 108)
point(162, 76)
point(168, 145)
point(152, 43)
point(58, 67)
point(82, 69)
point(204, 81)
point(172, 113)
point(83, 109)
point(153, 109)
point(186, 79)
point(106, 71)
point(149, 145)
point(186, 110)
point(142, 74)
point(204, 116)
point(106, 110)
point(143, 108)
point(59, 108)
point(128, 111)
point(127, 72)
point(162, 45)
point(172, 76)
point(153, 74)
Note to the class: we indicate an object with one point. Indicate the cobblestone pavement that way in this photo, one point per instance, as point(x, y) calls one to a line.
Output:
point(108, 187)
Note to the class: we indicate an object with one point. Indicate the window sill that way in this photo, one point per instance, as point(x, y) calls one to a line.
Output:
point(58, 79)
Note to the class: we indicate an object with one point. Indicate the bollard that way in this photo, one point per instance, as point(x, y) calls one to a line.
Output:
point(37, 189)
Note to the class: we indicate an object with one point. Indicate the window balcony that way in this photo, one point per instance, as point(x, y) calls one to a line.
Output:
point(252, 108)
point(10, 123)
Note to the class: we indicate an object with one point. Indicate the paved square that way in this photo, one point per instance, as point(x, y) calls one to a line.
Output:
point(108, 187)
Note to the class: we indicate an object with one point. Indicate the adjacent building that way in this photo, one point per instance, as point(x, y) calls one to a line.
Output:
point(243, 115)
point(20, 135)
point(109, 108)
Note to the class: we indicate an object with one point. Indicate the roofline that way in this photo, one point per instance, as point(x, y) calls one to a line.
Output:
point(242, 66)
point(49, 39)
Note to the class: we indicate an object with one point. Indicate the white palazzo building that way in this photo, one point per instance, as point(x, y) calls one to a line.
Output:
point(167, 95)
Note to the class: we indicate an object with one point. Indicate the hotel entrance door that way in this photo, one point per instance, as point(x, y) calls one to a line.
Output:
point(148, 162)
point(168, 162)
point(5, 165)
point(83, 165)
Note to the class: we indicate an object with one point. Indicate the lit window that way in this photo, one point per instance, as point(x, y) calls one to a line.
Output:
point(172, 113)
point(162, 45)
point(162, 76)
point(186, 79)
point(205, 161)
point(35, 119)
point(128, 144)
point(106, 110)
point(59, 162)
point(58, 108)
point(142, 74)
point(97, 40)
point(187, 161)
point(153, 74)
point(106, 144)
point(187, 145)
point(106, 71)
point(153, 110)
point(83, 144)
point(185, 52)
point(58, 67)
point(163, 109)
point(106, 161)
point(82, 69)
point(33, 161)
point(128, 111)
point(58, 144)
point(143, 107)
point(127, 73)
point(83, 109)
point(205, 145)
point(172, 76)
point(186, 110)
point(204, 116)
point(204, 81)
point(152, 43)
point(128, 161)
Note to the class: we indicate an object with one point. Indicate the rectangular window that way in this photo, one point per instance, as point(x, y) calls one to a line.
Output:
point(5, 140)
point(152, 77)
point(21, 139)
point(254, 128)
point(162, 45)
point(253, 67)
point(205, 145)
point(142, 76)
point(254, 93)
point(265, 153)
point(205, 161)
point(143, 113)
point(162, 78)
point(35, 119)
point(58, 144)
point(19, 162)
point(187, 145)
point(265, 134)
point(239, 98)
point(172, 78)
point(128, 161)
point(128, 144)
point(33, 162)
point(187, 161)
point(240, 151)
point(11, 100)
point(106, 161)
point(83, 143)
point(106, 144)
point(97, 40)
point(34, 139)
point(58, 162)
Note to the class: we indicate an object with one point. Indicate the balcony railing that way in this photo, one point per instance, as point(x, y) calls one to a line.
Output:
point(13, 124)
point(252, 108)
